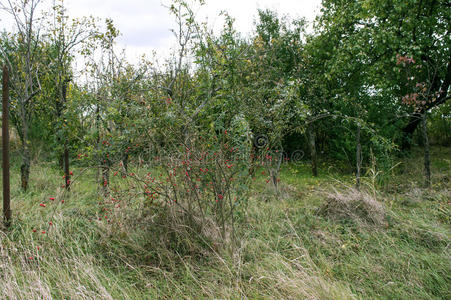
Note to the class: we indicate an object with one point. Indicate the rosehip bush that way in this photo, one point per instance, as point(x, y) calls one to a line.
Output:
point(207, 180)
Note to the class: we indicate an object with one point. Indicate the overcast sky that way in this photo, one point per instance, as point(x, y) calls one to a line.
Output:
point(145, 24)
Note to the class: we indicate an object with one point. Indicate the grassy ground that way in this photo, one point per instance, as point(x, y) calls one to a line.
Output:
point(290, 246)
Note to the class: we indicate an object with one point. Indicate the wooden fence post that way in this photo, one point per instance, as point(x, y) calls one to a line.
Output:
point(5, 148)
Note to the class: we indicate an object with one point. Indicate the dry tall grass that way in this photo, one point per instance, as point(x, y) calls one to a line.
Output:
point(351, 204)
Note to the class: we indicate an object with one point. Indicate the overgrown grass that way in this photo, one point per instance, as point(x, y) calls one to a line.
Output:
point(288, 248)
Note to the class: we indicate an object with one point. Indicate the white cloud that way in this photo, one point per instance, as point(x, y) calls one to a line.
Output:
point(145, 24)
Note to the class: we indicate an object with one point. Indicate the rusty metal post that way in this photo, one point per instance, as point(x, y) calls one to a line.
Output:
point(5, 148)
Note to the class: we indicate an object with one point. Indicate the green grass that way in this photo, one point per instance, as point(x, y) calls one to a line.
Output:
point(286, 248)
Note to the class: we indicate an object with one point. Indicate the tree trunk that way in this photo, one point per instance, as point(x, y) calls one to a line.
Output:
point(106, 164)
point(427, 158)
point(60, 158)
point(438, 84)
point(25, 167)
point(358, 157)
point(66, 150)
point(106, 180)
point(274, 171)
point(66, 168)
point(125, 162)
point(252, 159)
point(408, 131)
point(26, 156)
point(59, 110)
point(312, 145)
point(99, 173)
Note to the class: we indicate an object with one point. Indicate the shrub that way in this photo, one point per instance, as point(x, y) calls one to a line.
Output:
point(203, 181)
